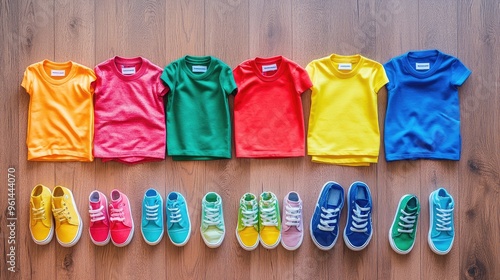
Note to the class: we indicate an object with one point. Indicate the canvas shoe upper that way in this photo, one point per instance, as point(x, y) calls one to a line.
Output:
point(403, 231)
point(292, 229)
point(247, 229)
point(152, 226)
point(41, 223)
point(212, 226)
point(99, 218)
point(68, 223)
point(120, 217)
point(358, 230)
point(325, 220)
point(269, 220)
point(441, 226)
point(178, 222)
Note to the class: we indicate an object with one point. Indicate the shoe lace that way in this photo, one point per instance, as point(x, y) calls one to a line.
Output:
point(116, 215)
point(407, 221)
point(292, 215)
point(212, 216)
point(444, 219)
point(60, 213)
point(269, 215)
point(152, 212)
point(39, 213)
point(249, 218)
point(96, 214)
point(360, 221)
point(328, 219)
point(175, 213)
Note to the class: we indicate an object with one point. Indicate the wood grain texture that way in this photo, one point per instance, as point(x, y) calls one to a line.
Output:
point(90, 32)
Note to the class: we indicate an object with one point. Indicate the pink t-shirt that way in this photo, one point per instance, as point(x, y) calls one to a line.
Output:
point(129, 113)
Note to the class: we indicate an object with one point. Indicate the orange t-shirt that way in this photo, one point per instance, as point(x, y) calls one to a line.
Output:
point(61, 111)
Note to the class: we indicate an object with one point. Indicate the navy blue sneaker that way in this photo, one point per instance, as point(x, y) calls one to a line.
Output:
point(358, 230)
point(325, 220)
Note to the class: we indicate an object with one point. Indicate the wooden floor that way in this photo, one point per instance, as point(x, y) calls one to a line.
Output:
point(90, 32)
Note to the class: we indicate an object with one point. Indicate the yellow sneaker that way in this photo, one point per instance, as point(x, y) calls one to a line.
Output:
point(68, 222)
point(247, 230)
point(41, 224)
point(269, 220)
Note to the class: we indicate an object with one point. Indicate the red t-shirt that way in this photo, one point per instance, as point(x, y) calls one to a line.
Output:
point(268, 116)
point(129, 123)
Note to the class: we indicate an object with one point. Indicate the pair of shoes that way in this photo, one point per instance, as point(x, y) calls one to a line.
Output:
point(258, 221)
point(178, 223)
point(68, 223)
point(403, 232)
point(325, 220)
point(113, 221)
point(212, 227)
point(292, 228)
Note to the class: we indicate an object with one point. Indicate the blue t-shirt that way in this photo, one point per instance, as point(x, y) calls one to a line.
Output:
point(423, 113)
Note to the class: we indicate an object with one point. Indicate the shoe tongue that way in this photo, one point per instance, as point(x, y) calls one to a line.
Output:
point(444, 202)
point(118, 200)
point(409, 209)
point(293, 203)
point(95, 205)
point(57, 202)
point(37, 201)
point(249, 205)
point(150, 201)
point(361, 202)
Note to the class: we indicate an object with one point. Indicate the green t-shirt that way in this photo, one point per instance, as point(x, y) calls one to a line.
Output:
point(197, 108)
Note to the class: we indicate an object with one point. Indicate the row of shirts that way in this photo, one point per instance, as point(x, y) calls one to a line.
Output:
point(130, 110)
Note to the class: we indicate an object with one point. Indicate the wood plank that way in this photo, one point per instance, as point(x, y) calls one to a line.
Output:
point(226, 37)
point(11, 243)
point(477, 211)
point(396, 33)
point(36, 42)
point(436, 174)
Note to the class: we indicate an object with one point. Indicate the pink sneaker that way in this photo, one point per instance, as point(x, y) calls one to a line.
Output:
point(99, 221)
point(292, 230)
point(122, 225)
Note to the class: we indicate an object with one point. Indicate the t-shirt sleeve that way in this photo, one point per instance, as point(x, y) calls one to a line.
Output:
point(389, 72)
point(301, 79)
point(227, 81)
point(379, 78)
point(92, 79)
point(459, 73)
point(26, 83)
point(168, 75)
point(96, 83)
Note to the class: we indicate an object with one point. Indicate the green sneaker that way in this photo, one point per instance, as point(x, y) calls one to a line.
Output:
point(404, 227)
point(247, 230)
point(269, 220)
point(212, 220)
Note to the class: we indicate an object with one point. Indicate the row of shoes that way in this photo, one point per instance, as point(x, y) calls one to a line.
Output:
point(259, 219)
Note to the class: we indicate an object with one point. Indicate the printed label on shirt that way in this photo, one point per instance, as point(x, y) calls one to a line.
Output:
point(422, 66)
point(58, 73)
point(345, 66)
point(199, 68)
point(270, 67)
point(128, 70)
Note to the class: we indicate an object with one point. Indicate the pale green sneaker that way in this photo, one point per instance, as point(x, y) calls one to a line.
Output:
point(247, 230)
point(212, 220)
point(404, 227)
point(269, 220)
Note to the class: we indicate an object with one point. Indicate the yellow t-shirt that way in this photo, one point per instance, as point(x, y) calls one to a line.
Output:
point(343, 121)
point(61, 111)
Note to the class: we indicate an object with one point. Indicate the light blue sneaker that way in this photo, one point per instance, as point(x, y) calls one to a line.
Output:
point(441, 226)
point(325, 220)
point(178, 222)
point(152, 226)
point(358, 230)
